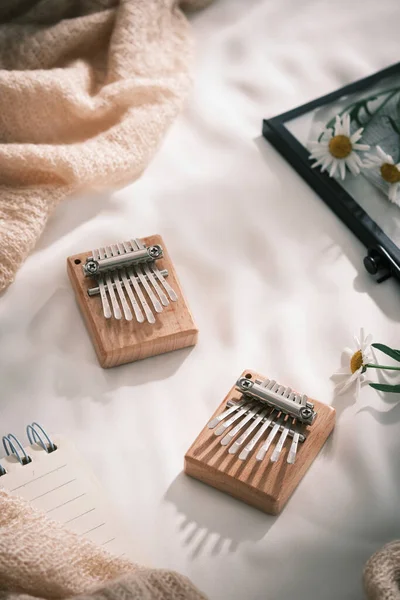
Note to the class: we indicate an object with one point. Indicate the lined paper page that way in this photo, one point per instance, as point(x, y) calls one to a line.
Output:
point(61, 485)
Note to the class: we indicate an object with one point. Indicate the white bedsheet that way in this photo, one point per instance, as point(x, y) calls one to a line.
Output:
point(276, 284)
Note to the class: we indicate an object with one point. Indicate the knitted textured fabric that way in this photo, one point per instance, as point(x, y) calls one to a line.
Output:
point(87, 88)
point(40, 558)
point(382, 573)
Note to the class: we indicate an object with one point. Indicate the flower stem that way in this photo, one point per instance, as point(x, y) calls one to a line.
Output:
point(364, 101)
point(371, 366)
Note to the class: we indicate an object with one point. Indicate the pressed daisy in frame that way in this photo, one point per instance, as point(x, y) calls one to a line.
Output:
point(388, 170)
point(338, 149)
point(357, 358)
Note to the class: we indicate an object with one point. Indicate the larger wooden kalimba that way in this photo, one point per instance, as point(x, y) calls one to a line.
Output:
point(260, 442)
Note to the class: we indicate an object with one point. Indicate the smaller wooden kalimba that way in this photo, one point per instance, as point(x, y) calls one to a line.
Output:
point(260, 442)
point(131, 301)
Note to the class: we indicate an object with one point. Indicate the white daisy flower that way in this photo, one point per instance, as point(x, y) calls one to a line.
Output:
point(388, 171)
point(338, 150)
point(356, 357)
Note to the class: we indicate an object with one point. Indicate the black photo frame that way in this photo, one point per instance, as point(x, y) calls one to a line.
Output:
point(383, 255)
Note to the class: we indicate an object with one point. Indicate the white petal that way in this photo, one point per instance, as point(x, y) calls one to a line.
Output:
point(356, 135)
point(392, 192)
point(342, 168)
point(352, 164)
point(361, 147)
point(362, 336)
point(367, 341)
point(385, 157)
point(342, 371)
point(327, 162)
point(319, 162)
point(320, 152)
point(333, 168)
point(348, 352)
point(358, 386)
point(346, 125)
point(338, 126)
point(358, 160)
point(371, 161)
point(341, 388)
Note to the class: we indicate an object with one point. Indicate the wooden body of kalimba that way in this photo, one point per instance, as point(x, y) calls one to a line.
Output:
point(262, 483)
point(121, 340)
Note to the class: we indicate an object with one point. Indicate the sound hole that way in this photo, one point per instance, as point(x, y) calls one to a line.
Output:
point(77, 261)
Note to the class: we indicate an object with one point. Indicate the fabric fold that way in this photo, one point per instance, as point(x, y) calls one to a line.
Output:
point(87, 91)
point(40, 558)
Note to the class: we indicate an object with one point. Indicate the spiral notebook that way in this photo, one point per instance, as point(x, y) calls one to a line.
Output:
point(59, 483)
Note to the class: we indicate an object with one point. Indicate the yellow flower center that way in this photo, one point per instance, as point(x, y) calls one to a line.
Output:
point(356, 361)
point(340, 146)
point(390, 173)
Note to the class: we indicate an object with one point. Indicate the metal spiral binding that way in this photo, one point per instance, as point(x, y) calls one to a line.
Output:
point(9, 447)
point(36, 437)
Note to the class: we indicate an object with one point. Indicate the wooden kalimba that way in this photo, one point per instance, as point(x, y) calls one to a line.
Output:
point(260, 442)
point(131, 301)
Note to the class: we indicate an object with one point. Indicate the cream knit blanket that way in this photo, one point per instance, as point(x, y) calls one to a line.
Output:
point(39, 558)
point(87, 89)
point(382, 573)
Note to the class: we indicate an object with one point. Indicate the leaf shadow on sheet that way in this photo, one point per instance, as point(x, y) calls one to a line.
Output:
point(392, 415)
point(212, 522)
point(343, 241)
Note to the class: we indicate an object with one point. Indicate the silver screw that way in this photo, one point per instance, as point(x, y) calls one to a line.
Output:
point(306, 413)
point(246, 383)
point(91, 266)
point(154, 251)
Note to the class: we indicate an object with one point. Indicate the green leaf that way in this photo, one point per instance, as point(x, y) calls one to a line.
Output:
point(393, 124)
point(395, 354)
point(383, 387)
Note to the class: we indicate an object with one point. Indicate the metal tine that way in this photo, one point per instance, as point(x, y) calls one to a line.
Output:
point(234, 448)
point(152, 279)
point(113, 251)
point(278, 448)
point(304, 400)
point(247, 449)
point(231, 434)
point(145, 283)
point(232, 420)
point(264, 448)
point(171, 293)
point(103, 294)
point(214, 422)
point(293, 448)
point(150, 275)
point(138, 313)
point(132, 277)
point(110, 289)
